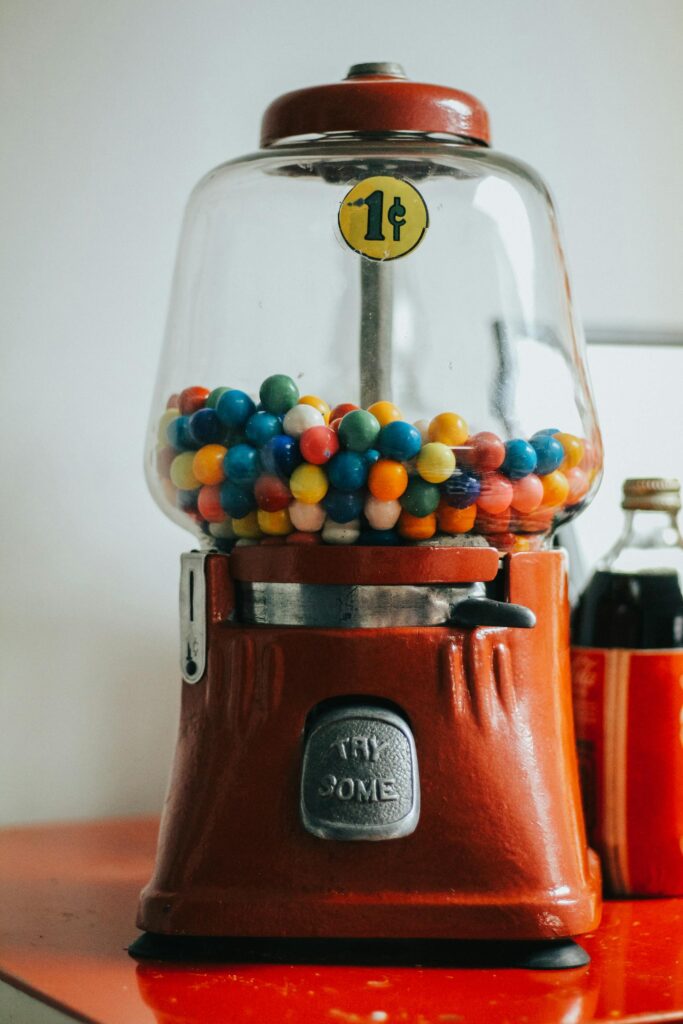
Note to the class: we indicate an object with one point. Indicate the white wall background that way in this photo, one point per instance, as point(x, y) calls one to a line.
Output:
point(110, 110)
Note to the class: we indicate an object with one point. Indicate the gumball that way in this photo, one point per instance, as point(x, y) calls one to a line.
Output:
point(487, 523)
point(371, 456)
point(208, 464)
point(420, 498)
point(209, 504)
point(448, 428)
point(378, 538)
point(589, 459)
point(435, 463)
point(381, 515)
point(164, 422)
point(384, 412)
point(234, 407)
point(527, 494)
point(278, 394)
point(187, 500)
point(192, 399)
point(299, 537)
point(422, 427)
point(456, 520)
point(164, 458)
point(318, 403)
point(399, 440)
point(573, 450)
point(243, 464)
point(417, 527)
point(462, 489)
point(281, 455)
point(206, 428)
point(300, 418)
point(178, 434)
point(358, 430)
point(272, 494)
point(308, 484)
point(347, 471)
point(276, 523)
point(247, 527)
point(549, 453)
point(495, 495)
point(488, 451)
point(340, 411)
point(547, 430)
point(520, 459)
point(215, 396)
point(342, 506)
point(261, 427)
point(236, 500)
point(387, 480)
point(172, 402)
point(579, 483)
point(555, 489)
point(341, 533)
point(181, 472)
point(309, 518)
point(318, 445)
point(222, 530)
point(335, 424)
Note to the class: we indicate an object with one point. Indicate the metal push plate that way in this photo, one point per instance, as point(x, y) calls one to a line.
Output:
point(359, 776)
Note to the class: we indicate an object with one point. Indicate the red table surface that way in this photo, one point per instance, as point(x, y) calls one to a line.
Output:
point(67, 905)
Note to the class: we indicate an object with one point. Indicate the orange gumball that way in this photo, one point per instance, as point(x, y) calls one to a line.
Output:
point(573, 450)
point(448, 428)
point(555, 489)
point(207, 464)
point(387, 479)
point(384, 412)
point(417, 527)
point(456, 520)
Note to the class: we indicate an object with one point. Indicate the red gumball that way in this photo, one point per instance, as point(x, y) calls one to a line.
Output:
point(172, 402)
point(192, 399)
point(272, 494)
point(300, 537)
point(209, 504)
point(487, 523)
point(488, 451)
point(340, 411)
point(318, 445)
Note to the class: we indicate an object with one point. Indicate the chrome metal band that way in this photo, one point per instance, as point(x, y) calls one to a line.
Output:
point(350, 607)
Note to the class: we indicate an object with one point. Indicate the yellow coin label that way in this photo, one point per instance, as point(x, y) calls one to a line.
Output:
point(383, 217)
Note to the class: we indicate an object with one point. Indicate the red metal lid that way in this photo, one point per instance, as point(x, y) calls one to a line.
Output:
point(375, 98)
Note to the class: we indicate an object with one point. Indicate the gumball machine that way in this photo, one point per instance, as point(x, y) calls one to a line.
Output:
point(372, 411)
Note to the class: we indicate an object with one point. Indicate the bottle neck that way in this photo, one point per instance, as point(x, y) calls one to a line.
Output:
point(650, 539)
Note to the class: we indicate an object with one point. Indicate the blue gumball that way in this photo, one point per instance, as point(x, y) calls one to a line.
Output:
point(343, 506)
point(461, 489)
point(520, 459)
point(347, 471)
point(371, 456)
point(378, 538)
point(242, 464)
point(206, 427)
point(261, 427)
point(234, 408)
point(399, 440)
point(236, 501)
point(281, 455)
point(178, 434)
point(549, 452)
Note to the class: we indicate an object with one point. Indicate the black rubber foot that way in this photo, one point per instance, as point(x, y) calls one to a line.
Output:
point(558, 955)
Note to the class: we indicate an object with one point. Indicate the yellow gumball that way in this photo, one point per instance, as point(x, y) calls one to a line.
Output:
point(448, 428)
point(275, 524)
point(384, 412)
point(573, 450)
point(181, 472)
point(247, 528)
point(168, 417)
point(308, 483)
point(436, 462)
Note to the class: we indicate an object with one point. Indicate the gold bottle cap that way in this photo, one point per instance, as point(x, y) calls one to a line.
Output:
point(652, 493)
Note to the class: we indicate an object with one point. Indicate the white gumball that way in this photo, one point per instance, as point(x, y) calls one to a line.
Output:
point(308, 518)
point(300, 418)
point(341, 533)
point(382, 515)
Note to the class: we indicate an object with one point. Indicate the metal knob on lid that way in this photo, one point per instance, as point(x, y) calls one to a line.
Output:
point(657, 494)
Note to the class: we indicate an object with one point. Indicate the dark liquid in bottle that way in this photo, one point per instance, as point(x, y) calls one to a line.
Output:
point(634, 610)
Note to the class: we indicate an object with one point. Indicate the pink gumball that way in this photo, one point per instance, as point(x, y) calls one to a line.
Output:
point(527, 494)
point(496, 494)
